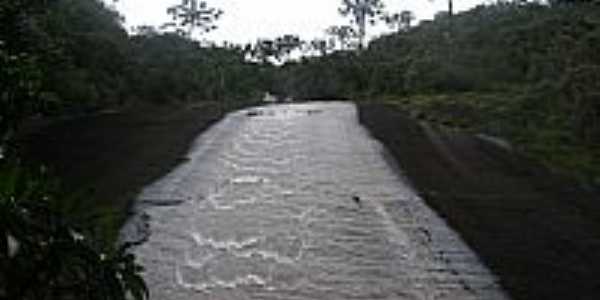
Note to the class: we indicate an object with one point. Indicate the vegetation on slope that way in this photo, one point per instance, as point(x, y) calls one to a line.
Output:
point(524, 71)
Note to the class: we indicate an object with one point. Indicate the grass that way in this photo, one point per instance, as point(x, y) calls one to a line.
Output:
point(541, 135)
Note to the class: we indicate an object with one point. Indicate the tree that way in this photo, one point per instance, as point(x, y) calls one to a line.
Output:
point(277, 49)
point(400, 21)
point(362, 13)
point(321, 46)
point(19, 88)
point(88, 70)
point(263, 50)
point(343, 34)
point(145, 30)
point(450, 12)
point(193, 14)
point(20, 73)
point(45, 254)
point(16, 17)
point(286, 44)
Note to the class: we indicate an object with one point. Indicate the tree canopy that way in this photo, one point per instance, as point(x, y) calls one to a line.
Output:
point(362, 13)
point(190, 15)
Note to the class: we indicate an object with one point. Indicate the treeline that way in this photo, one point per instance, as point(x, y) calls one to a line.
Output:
point(487, 48)
point(525, 71)
point(533, 67)
point(86, 60)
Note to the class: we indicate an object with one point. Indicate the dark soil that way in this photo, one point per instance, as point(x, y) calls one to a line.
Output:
point(538, 231)
point(107, 158)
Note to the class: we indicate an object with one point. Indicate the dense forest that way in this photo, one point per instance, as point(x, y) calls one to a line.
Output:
point(528, 72)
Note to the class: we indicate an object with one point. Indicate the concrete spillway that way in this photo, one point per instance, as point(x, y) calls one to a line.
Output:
point(298, 202)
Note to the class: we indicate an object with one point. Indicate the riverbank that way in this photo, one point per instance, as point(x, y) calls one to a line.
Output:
point(107, 158)
point(538, 231)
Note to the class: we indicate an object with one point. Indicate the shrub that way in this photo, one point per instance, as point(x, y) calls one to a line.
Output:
point(46, 255)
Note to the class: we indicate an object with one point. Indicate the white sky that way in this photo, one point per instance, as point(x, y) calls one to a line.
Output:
point(247, 20)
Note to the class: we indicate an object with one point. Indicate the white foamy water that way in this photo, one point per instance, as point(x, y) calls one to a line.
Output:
point(265, 209)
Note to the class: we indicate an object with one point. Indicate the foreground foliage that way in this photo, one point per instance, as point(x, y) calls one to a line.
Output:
point(46, 254)
point(46, 250)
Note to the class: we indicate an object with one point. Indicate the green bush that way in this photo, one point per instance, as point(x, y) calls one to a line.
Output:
point(44, 254)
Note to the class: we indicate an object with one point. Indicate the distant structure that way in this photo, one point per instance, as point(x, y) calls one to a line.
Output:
point(269, 98)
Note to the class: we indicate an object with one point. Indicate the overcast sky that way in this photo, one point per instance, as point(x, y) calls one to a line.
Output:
point(247, 20)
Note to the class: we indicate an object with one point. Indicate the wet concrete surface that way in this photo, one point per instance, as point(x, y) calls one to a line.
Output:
point(297, 202)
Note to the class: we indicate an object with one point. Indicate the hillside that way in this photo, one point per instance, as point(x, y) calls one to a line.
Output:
point(527, 72)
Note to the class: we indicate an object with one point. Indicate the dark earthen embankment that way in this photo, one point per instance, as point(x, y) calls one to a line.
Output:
point(107, 158)
point(539, 232)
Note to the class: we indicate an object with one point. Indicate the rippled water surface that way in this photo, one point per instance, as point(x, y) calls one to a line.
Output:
point(266, 208)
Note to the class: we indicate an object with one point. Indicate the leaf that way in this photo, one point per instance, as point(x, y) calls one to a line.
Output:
point(136, 285)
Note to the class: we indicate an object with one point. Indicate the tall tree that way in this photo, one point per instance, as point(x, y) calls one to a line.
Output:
point(362, 13)
point(192, 15)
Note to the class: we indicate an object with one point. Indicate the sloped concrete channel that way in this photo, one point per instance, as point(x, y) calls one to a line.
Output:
point(297, 202)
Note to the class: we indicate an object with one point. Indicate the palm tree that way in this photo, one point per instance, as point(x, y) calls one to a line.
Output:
point(193, 14)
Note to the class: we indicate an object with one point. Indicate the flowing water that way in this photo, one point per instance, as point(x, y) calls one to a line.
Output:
point(297, 202)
